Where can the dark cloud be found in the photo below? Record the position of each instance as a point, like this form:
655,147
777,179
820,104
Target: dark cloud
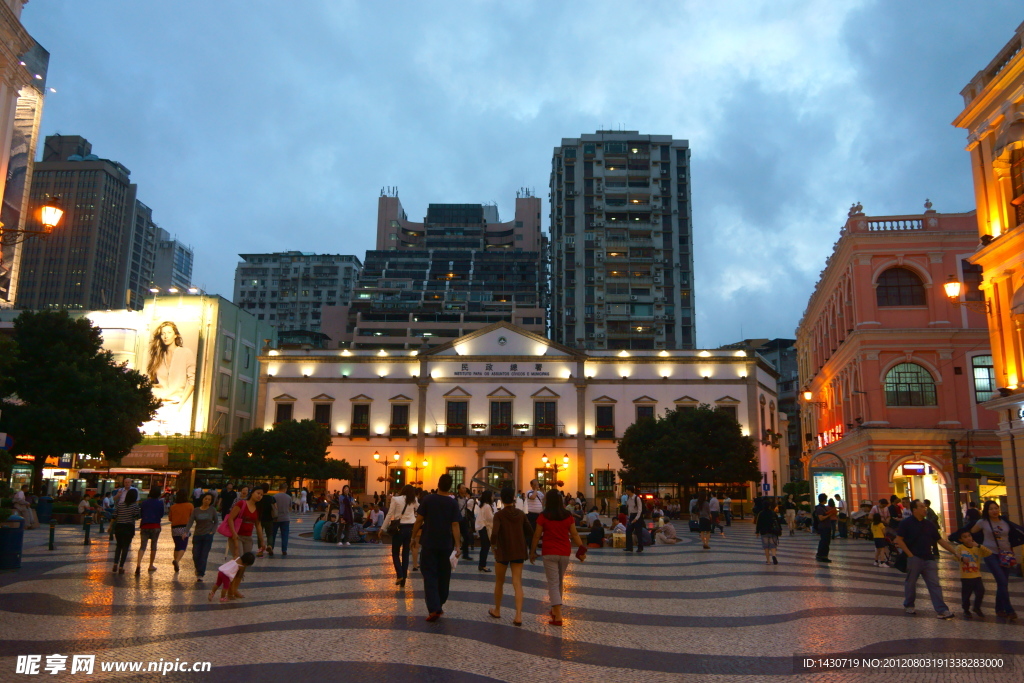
260,126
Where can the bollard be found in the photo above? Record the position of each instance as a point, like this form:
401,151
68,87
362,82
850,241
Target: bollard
53,529
87,527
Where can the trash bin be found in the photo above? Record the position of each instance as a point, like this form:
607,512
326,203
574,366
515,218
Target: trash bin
44,509
12,536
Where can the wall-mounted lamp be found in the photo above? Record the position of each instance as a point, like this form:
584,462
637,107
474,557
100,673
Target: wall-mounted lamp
953,288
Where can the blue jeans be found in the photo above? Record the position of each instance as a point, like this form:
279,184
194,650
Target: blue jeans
400,544
283,526
201,552
1002,577
728,517
929,569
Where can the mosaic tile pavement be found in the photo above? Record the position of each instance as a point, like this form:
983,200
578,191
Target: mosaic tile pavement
673,613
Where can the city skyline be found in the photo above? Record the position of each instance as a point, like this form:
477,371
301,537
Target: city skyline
791,118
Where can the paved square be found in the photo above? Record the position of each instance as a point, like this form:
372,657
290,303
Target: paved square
671,614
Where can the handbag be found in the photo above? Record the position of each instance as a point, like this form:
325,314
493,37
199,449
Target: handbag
1007,560
225,530
395,526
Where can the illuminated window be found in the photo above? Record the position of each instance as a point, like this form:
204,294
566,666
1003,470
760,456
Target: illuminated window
984,378
899,287
283,412
908,384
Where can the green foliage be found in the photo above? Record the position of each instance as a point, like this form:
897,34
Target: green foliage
688,448
292,449
6,463
60,392
798,490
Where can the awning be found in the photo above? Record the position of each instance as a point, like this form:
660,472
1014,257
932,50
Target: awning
992,467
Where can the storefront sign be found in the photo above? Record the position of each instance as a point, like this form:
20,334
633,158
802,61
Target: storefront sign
501,370
914,469
146,456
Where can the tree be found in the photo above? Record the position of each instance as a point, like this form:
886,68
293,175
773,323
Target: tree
688,448
291,449
60,392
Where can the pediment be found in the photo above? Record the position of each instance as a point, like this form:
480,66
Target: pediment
362,398
686,399
544,393
284,398
322,398
400,398
604,399
727,399
501,392
503,339
458,392
645,399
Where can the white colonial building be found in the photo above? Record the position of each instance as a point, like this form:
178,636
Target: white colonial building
505,397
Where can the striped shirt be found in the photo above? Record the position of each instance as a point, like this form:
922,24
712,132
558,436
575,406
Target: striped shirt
127,514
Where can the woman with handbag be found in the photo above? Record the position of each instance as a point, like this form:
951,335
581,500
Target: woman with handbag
398,523
1000,536
556,529
179,516
205,519
484,524
244,518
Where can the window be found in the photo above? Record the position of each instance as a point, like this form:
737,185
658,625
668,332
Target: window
247,352
456,415
604,482
360,419
322,414
730,410
224,386
243,395
283,412
399,419
644,413
458,475
908,384
358,480
605,418
984,378
972,281
501,418
545,418
899,287
229,348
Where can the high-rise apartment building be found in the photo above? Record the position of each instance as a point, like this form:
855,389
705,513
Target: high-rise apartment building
288,289
102,255
459,270
173,264
621,242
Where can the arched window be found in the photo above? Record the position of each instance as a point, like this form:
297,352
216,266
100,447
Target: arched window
899,287
908,384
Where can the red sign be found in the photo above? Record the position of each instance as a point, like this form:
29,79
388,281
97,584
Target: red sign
146,456
913,469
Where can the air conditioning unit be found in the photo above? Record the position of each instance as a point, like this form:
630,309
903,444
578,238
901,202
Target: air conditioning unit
600,224
600,257
633,298
600,278
592,224
659,317
600,335
579,265
590,279
675,210
591,335
657,278
600,297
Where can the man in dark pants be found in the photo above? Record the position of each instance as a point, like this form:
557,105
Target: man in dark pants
635,521
465,504
438,516
823,525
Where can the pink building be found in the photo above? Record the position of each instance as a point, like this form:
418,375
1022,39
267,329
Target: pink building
892,370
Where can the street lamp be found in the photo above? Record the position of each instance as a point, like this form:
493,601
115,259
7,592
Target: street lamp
953,288
417,468
808,395
50,214
554,465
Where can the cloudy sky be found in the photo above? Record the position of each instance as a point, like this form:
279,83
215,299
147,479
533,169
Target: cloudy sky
260,125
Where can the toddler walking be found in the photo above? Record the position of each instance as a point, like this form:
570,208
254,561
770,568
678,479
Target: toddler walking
878,534
226,574
971,556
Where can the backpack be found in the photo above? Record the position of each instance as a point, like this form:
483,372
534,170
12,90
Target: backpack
330,533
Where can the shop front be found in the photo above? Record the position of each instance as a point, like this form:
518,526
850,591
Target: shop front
920,480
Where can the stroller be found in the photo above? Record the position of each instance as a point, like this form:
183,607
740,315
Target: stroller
891,551
860,525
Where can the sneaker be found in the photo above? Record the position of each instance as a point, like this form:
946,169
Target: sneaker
946,615
877,563
909,610
967,614
347,543
341,543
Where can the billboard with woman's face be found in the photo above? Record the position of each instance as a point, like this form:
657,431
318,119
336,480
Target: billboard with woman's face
171,367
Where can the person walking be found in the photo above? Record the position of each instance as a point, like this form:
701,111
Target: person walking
282,523
534,502
833,519
555,530
240,540
125,514
466,522
878,536
346,513
268,513
715,507
152,512
766,525
403,512
789,509
727,510
971,556
180,514
511,532
484,525
228,495
917,537
997,530
438,517
205,520
635,521
822,520
703,509
304,500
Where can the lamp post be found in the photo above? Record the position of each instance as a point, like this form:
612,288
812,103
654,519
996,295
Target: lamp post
956,485
417,468
377,457
50,214
953,288
552,464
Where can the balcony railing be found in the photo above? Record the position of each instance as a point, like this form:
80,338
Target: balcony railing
399,430
604,432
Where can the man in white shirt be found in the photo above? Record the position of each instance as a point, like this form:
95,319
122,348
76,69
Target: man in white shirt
466,521
534,502
715,508
727,510
635,519
692,509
